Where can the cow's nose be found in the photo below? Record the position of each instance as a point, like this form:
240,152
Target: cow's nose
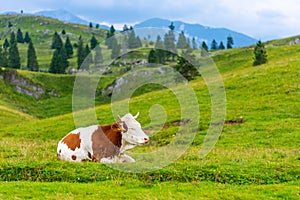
146,140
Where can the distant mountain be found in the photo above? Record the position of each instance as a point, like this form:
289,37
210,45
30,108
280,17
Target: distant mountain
65,16
201,33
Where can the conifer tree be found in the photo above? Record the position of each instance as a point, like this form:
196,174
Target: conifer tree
91,25
109,37
153,56
80,53
32,63
116,49
27,38
3,57
260,54
214,45
98,59
194,43
13,53
229,42
221,46
56,41
20,38
182,42
94,42
69,48
160,50
6,44
204,49
169,41
88,57
185,65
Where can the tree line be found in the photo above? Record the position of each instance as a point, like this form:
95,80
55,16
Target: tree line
165,50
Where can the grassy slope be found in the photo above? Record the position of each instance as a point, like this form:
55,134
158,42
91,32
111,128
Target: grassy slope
262,154
41,30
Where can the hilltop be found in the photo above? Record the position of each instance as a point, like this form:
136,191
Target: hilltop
41,30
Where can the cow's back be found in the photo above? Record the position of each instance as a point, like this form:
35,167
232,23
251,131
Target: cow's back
77,145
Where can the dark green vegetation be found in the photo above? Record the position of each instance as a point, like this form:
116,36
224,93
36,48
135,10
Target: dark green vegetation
41,31
256,159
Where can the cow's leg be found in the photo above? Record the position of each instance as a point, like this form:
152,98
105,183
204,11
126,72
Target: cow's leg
107,160
126,158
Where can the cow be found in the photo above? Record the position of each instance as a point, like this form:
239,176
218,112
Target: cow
104,144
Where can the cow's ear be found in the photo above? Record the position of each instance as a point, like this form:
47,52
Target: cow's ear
116,126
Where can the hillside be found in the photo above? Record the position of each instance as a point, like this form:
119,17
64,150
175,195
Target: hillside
201,33
41,30
256,159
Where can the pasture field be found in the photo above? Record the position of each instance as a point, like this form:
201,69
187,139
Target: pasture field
256,159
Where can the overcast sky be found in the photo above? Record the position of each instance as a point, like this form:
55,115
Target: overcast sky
262,19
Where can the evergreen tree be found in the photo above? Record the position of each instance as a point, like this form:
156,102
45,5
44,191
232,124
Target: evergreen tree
94,42
91,25
184,65
80,53
97,26
221,46
56,65
214,45
63,32
56,41
125,28
88,57
69,48
13,53
27,39
260,54
169,42
109,37
98,59
32,63
204,49
194,44
20,38
229,42
116,49
6,44
3,58
182,42
133,41
160,50
153,56
12,39
9,25
59,62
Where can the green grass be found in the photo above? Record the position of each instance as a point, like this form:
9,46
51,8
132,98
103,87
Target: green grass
258,159
132,189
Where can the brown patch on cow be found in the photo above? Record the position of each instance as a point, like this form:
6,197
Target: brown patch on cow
73,157
106,141
72,141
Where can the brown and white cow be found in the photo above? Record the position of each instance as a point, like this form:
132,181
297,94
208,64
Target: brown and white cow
105,144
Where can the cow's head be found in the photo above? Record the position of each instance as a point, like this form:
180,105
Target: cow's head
132,130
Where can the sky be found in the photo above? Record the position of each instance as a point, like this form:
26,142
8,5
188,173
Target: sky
261,19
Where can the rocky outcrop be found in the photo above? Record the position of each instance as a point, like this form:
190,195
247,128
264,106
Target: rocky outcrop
24,85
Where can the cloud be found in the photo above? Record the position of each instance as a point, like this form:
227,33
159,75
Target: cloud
261,19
